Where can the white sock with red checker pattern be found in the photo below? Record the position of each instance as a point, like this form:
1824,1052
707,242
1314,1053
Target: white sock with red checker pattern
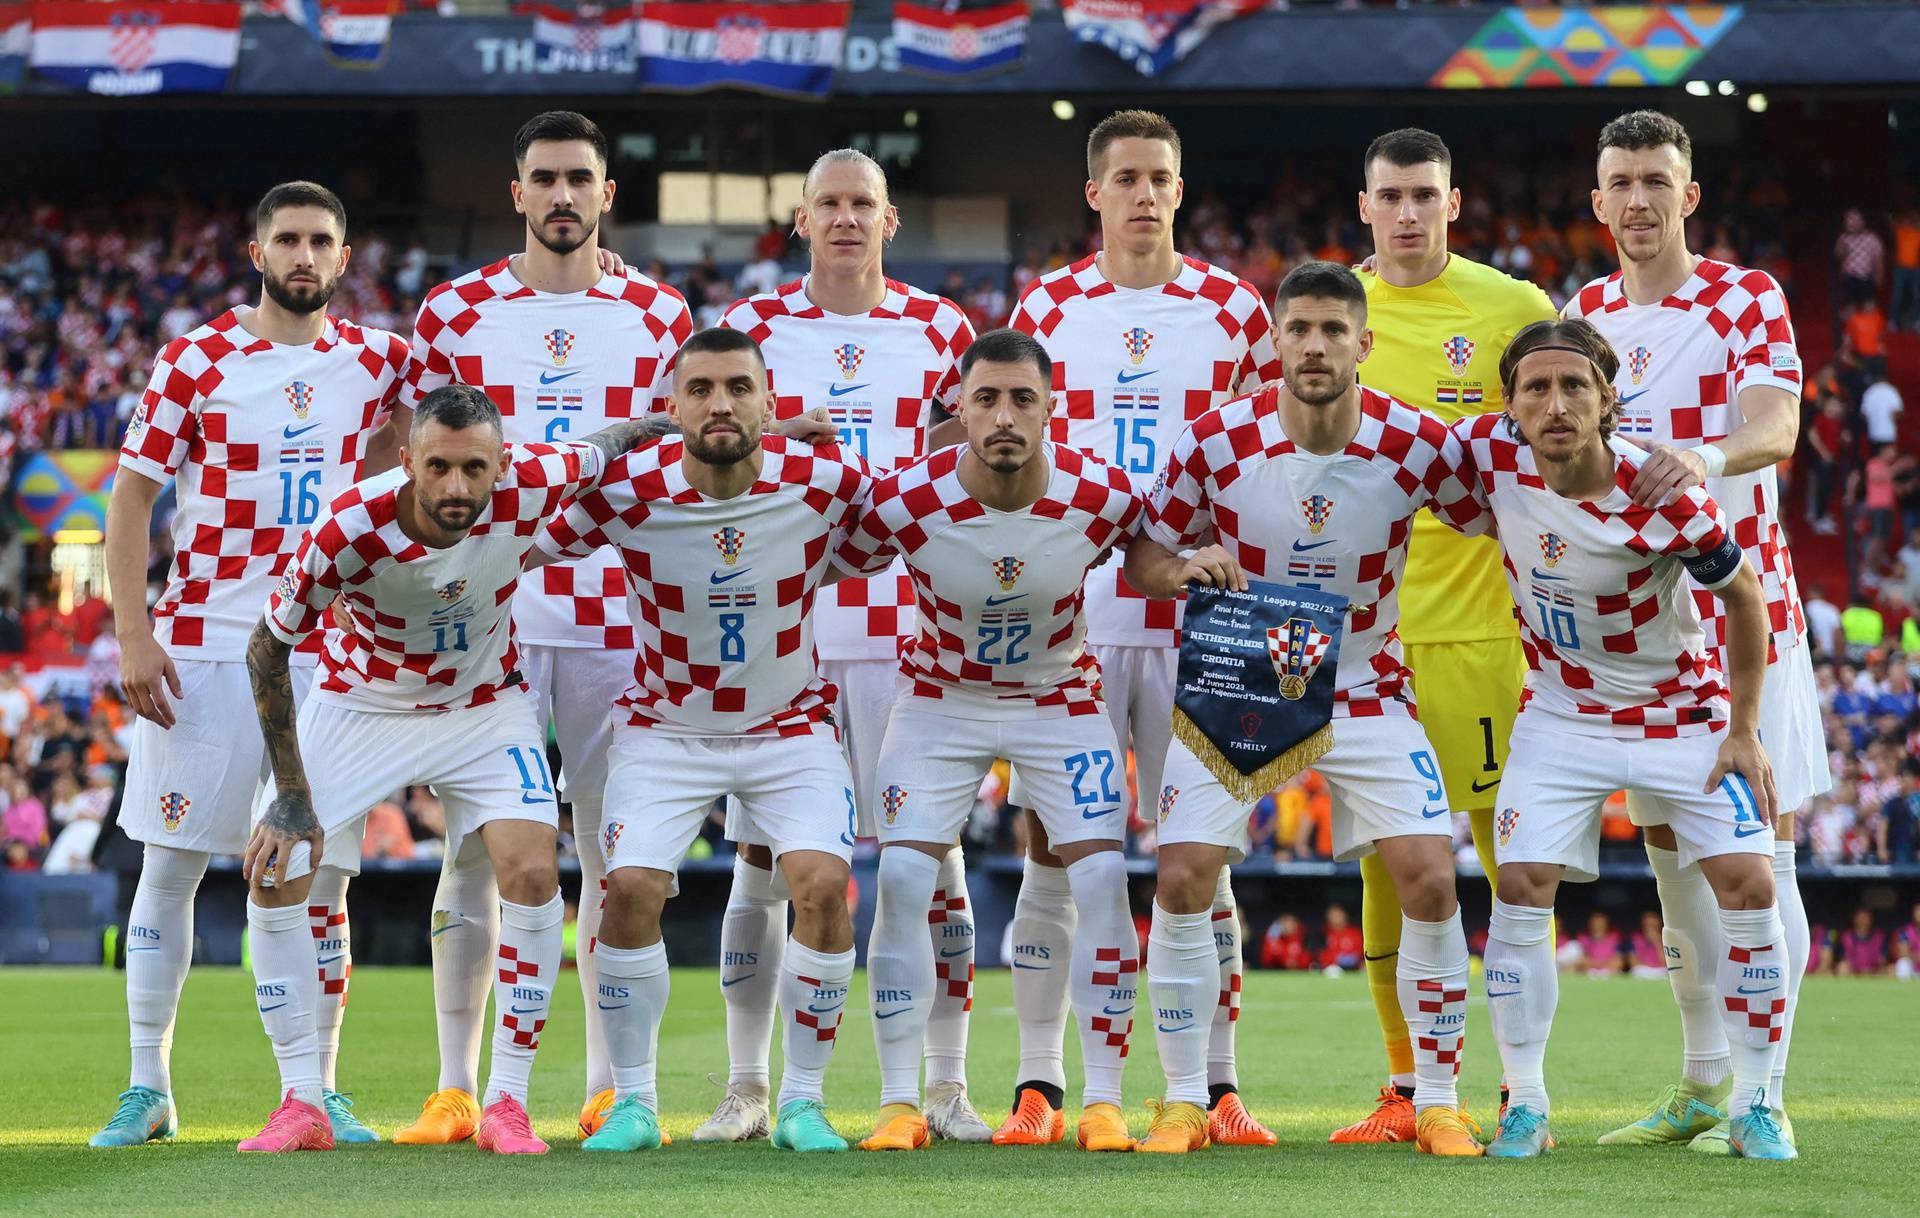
753,932
1755,979
950,924
333,952
1523,990
1105,979
1432,976
813,993
1793,919
529,957
1222,1069
631,996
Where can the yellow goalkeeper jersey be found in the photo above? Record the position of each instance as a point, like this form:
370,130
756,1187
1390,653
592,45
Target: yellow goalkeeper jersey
1438,346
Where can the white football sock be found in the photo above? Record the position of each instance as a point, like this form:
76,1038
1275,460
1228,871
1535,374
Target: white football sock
522,992
752,935
333,961
1793,921
1222,1069
1183,975
465,927
286,988
586,934
1523,989
950,923
1106,971
813,992
1432,977
901,971
1754,981
1044,920
159,953
631,996
1691,936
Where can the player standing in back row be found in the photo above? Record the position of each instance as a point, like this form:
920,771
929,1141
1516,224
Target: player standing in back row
1439,322
563,349
1143,341
877,357
261,415
1709,380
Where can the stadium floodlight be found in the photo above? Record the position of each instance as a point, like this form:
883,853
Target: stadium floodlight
910,119
1063,110
1726,88
1699,88
1757,102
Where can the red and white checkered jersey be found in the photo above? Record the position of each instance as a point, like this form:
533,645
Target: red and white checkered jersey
725,588
1002,624
559,366
1338,523
1613,646
877,374
260,436
427,629
1131,366
1683,363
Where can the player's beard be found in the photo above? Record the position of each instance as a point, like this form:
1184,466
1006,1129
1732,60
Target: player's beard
725,450
563,248
454,515
1313,395
302,299
1004,463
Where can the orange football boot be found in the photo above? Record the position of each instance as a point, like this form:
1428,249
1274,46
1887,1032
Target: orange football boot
1392,1121
1033,1122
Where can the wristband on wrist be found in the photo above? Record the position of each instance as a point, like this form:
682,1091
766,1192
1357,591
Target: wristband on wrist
1715,458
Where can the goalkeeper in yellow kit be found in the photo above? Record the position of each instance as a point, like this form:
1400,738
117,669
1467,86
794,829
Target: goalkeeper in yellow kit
1439,325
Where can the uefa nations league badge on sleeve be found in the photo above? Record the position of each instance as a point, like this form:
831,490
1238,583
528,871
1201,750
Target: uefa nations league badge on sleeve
1256,682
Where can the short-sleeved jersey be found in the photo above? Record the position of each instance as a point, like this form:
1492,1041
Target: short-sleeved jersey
724,588
559,366
1613,645
1002,627
1683,362
260,436
427,629
1131,366
878,375
1437,346
1338,523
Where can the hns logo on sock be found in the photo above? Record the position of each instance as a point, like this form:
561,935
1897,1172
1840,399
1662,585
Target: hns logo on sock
1552,548
1007,570
730,541
173,810
610,837
1137,341
1507,820
1638,361
847,358
892,800
1168,794
300,397
1318,509
559,344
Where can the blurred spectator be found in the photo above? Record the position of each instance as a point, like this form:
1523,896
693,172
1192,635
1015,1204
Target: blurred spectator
388,835
1829,441
1874,492
1866,340
13,640
1880,405
1863,947
1284,945
1862,258
1823,623
1900,816
1597,951
25,819
1904,312
1832,817
1863,628
1344,949
1649,952
1906,947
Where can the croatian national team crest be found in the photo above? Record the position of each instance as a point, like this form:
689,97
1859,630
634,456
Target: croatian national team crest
300,396
1552,548
1509,817
1168,795
1459,353
451,591
559,346
1637,361
1137,340
1007,570
848,357
610,837
736,40
891,801
730,541
1317,509
173,810
131,38
1296,649
289,584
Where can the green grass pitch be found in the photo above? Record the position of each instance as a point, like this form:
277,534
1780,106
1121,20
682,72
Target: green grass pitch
1309,1060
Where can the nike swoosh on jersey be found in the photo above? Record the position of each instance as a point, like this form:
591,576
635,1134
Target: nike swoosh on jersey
548,378
1747,830
1426,814
717,578
1128,378
1538,574
840,391
536,799
1098,813
1480,787
1300,549
1004,600
290,431
1628,397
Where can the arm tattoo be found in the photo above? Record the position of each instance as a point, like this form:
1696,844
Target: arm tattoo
292,809
629,434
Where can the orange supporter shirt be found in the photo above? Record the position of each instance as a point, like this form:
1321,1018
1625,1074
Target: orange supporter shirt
1906,246
1868,330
